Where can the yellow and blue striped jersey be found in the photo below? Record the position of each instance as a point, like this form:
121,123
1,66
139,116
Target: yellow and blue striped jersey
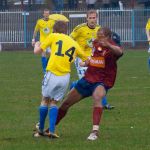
44,27
63,52
85,36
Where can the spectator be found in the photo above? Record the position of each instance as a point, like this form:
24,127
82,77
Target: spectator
72,3
91,4
106,4
114,4
3,4
58,5
120,5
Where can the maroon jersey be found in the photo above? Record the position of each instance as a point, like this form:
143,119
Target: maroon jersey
102,66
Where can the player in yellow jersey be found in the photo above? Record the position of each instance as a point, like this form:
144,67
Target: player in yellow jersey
64,50
44,26
85,34
148,33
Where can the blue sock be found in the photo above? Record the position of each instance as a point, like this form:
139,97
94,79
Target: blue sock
73,84
53,112
43,110
104,101
149,63
44,63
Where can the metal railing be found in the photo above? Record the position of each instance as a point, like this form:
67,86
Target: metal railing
17,27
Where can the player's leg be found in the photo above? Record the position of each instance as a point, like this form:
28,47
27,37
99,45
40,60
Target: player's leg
57,89
43,111
53,112
98,94
149,48
44,61
80,72
73,97
106,105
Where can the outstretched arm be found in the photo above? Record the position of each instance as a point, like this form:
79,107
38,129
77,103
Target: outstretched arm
118,51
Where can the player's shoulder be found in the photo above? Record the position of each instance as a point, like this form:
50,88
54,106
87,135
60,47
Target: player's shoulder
40,20
80,26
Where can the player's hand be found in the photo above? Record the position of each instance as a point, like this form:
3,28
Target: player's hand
37,44
104,43
33,42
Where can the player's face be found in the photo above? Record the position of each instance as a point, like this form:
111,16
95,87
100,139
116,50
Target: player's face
46,15
92,20
101,35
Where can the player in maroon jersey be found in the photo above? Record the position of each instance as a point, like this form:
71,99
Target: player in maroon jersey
99,77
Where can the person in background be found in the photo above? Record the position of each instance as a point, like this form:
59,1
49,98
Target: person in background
148,33
85,34
44,26
91,4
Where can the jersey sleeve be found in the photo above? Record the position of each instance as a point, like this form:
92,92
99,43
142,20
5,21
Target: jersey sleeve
74,33
81,53
47,42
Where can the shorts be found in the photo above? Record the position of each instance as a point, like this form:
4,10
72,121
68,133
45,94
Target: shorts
80,70
86,88
48,50
55,87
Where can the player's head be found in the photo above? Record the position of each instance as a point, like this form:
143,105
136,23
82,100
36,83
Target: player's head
60,27
104,33
46,13
92,18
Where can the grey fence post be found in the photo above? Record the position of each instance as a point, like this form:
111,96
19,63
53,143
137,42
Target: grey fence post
133,27
25,29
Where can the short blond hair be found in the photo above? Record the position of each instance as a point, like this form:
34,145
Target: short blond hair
92,11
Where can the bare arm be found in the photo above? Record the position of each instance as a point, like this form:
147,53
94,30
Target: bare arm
37,48
34,36
118,51
85,63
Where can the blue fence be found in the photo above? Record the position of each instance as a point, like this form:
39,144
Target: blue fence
17,27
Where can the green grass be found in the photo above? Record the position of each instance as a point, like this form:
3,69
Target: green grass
20,94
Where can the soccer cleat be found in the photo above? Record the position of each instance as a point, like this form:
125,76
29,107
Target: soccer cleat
37,126
51,135
93,136
38,134
46,130
108,107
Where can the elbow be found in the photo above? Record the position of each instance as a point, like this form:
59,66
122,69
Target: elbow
120,52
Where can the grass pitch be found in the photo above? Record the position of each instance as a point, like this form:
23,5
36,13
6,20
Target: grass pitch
124,128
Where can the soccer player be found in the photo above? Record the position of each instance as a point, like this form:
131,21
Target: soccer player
148,33
45,27
99,77
63,52
85,34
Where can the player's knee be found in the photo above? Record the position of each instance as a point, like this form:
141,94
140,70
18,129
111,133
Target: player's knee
97,99
45,102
